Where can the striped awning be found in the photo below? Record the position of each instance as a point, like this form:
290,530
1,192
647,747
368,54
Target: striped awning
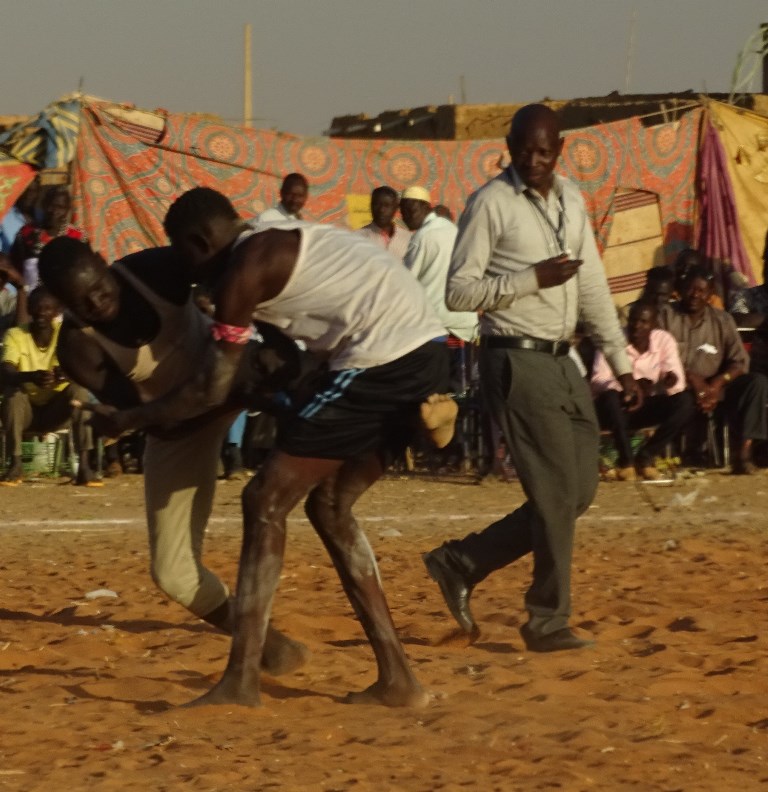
47,141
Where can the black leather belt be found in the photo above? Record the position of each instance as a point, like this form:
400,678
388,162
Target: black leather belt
557,348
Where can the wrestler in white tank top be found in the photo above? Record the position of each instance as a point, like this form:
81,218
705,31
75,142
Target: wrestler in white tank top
169,359
348,298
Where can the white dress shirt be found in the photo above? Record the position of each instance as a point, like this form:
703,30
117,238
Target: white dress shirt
276,214
505,230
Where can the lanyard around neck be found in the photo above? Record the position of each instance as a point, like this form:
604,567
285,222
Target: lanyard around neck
559,229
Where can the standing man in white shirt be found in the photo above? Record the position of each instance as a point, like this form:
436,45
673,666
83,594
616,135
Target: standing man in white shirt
526,257
294,192
383,230
429,256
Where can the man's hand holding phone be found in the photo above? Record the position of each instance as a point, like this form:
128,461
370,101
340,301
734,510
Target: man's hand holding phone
556,271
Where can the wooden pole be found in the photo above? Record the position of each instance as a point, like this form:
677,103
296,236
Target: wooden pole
247,88
630,51
764,51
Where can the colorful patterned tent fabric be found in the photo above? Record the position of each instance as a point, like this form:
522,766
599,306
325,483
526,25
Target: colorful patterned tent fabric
124,184
14,178
659,159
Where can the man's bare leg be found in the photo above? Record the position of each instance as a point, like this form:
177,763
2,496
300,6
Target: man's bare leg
267,501
329,508
281,655
438,416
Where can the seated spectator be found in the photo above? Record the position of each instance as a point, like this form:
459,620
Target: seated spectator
666,403
294,192
21,213
686,260
10,282
658,289
383,230
33,237
750,305
716,365
37,396
659,286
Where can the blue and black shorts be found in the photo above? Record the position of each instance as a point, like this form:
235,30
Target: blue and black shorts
356,411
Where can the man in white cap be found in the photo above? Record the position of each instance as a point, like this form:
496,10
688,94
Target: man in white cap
429,256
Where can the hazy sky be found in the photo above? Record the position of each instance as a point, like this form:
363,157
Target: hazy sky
314,59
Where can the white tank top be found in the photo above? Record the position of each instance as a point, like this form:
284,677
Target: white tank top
173,356
348,298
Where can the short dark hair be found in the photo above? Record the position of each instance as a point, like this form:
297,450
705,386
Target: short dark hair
38,294
698,272
532,113
58,258
659,274
195,208
384,189
643,304
294,178
689,252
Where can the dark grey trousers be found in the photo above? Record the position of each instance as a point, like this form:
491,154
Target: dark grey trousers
745,399
19,416
545,410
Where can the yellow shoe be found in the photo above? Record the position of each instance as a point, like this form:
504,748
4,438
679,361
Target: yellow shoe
626,474
87,480
650,473
12,476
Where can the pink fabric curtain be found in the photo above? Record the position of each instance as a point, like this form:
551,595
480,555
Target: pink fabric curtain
719,237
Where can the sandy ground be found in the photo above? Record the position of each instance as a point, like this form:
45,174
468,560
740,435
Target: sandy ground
673,697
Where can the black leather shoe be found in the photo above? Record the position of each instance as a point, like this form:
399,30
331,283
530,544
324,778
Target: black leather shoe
558,641
455,589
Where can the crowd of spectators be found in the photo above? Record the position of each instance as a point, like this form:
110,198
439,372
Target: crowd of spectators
687,351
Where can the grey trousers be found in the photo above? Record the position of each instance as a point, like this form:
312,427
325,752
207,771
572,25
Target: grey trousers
20,415
545,411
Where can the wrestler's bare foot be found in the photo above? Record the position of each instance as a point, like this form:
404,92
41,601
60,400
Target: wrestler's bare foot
230,689
409,694
282,654
438,415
